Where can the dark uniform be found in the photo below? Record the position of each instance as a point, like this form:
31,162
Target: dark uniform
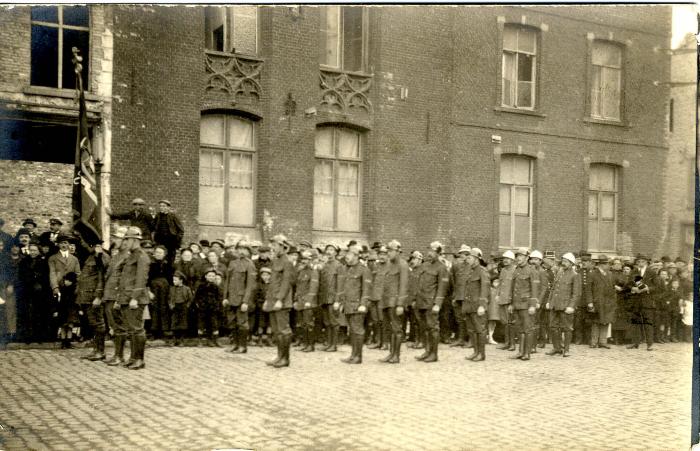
375,312
394,294
330,280
583,318
476,285
357,283
566,293
305,303
239,289
280,290
433,282
458,274
90,287
526,287
546,280
505,293
109,298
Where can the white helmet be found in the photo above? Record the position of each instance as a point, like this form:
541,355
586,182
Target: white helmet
509,254
536,254
569,256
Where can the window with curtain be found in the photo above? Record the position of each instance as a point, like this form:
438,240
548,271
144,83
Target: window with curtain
226,170
606,83
602,207
232,29
342,43
55,31
518,87
337,179
515,201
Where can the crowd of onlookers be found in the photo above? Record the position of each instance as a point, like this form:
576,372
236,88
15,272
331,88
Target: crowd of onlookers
186,286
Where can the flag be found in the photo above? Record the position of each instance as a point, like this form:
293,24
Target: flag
86,205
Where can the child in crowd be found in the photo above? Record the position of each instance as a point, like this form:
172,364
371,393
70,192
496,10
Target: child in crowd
179,300
208,300
687,319
263,322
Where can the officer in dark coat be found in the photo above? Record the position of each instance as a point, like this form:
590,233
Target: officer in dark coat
328,296
394,295
354,296
64,269
583,318
279,299
239,289
433,282
137,217
476,285
90,293
603,301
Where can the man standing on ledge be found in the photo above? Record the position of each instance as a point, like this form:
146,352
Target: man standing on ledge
279,299
394,295
168,230
137,217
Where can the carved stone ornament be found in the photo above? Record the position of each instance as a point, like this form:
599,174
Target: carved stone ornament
342,92
235,75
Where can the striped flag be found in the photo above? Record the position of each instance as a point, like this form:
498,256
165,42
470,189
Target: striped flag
86,205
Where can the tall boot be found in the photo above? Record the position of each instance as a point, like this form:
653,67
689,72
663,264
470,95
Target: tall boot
527,345
481,340
461,342
391,351
386,338
132,352
359,342
329,338
521,349
434,340
377,336
474,339
99,351
567,342
309,340
426,353
139,348
532,341
511,337
234,341
242,341
286,344
278,343
396,340
354,350
556,342
507,338
118,357
333,345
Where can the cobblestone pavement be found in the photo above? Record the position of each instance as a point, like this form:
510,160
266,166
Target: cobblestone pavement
204,398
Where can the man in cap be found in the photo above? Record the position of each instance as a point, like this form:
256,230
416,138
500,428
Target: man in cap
133,297
354,297
566,294
90,294
168,229
329,290
110,293
603,301
458,274
583,318
504,297
378,270
433,282
239,288
137,217
394,294
49,237
279,299
305,299
473,286
417,334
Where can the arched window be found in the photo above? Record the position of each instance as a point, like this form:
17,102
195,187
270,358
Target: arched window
602,207
227,170
515,201
337,179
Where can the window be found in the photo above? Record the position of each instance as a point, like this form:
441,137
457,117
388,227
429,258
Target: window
602,207
519,67
606,82
515,202
55,31
232,29
342,35
226,170
337,179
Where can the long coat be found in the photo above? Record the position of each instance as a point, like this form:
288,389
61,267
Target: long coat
603,295
433,282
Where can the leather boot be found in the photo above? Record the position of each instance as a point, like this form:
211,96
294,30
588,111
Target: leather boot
329,339
234,340
428,344
132,353
567,341
395,357
310,347
481,343
506,338
118,357
333,346
475,353
242,341
520,348
99,352
386,339
460,343
276,339
354,350
527,345
391,351
377,336
555,335
360,341
434,339
511,338
139,348
285,345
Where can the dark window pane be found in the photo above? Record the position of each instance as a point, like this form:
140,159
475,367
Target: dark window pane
44,56
34,141
352,38
76,15
45,13
81,40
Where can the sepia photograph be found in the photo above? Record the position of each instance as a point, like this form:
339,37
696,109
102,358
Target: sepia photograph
353,226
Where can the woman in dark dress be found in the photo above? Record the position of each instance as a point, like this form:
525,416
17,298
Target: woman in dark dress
159,277
34,305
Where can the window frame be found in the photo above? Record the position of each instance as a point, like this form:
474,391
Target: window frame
336,161
227,151
60,26
535,68
621,87
341,39
512,188
599,219
228,30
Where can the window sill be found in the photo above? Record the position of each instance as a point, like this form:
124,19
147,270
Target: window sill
246,56
57,92
358,73
505,109
218,224
613,122
337,231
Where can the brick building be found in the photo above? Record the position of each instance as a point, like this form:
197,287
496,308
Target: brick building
496,126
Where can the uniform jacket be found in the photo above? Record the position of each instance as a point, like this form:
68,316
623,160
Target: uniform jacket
505,286
240,282
585,275
477,287
59,267
378,277
281,282
458,274
546,280
395,290
306,288
566,290
134,278
356,288
112,275
413,276
92,278
330,280
143,220
603,295
433,282
526,287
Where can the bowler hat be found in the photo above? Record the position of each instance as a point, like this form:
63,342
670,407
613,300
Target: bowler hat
602,258
29,221
63,237
23,231
204,243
